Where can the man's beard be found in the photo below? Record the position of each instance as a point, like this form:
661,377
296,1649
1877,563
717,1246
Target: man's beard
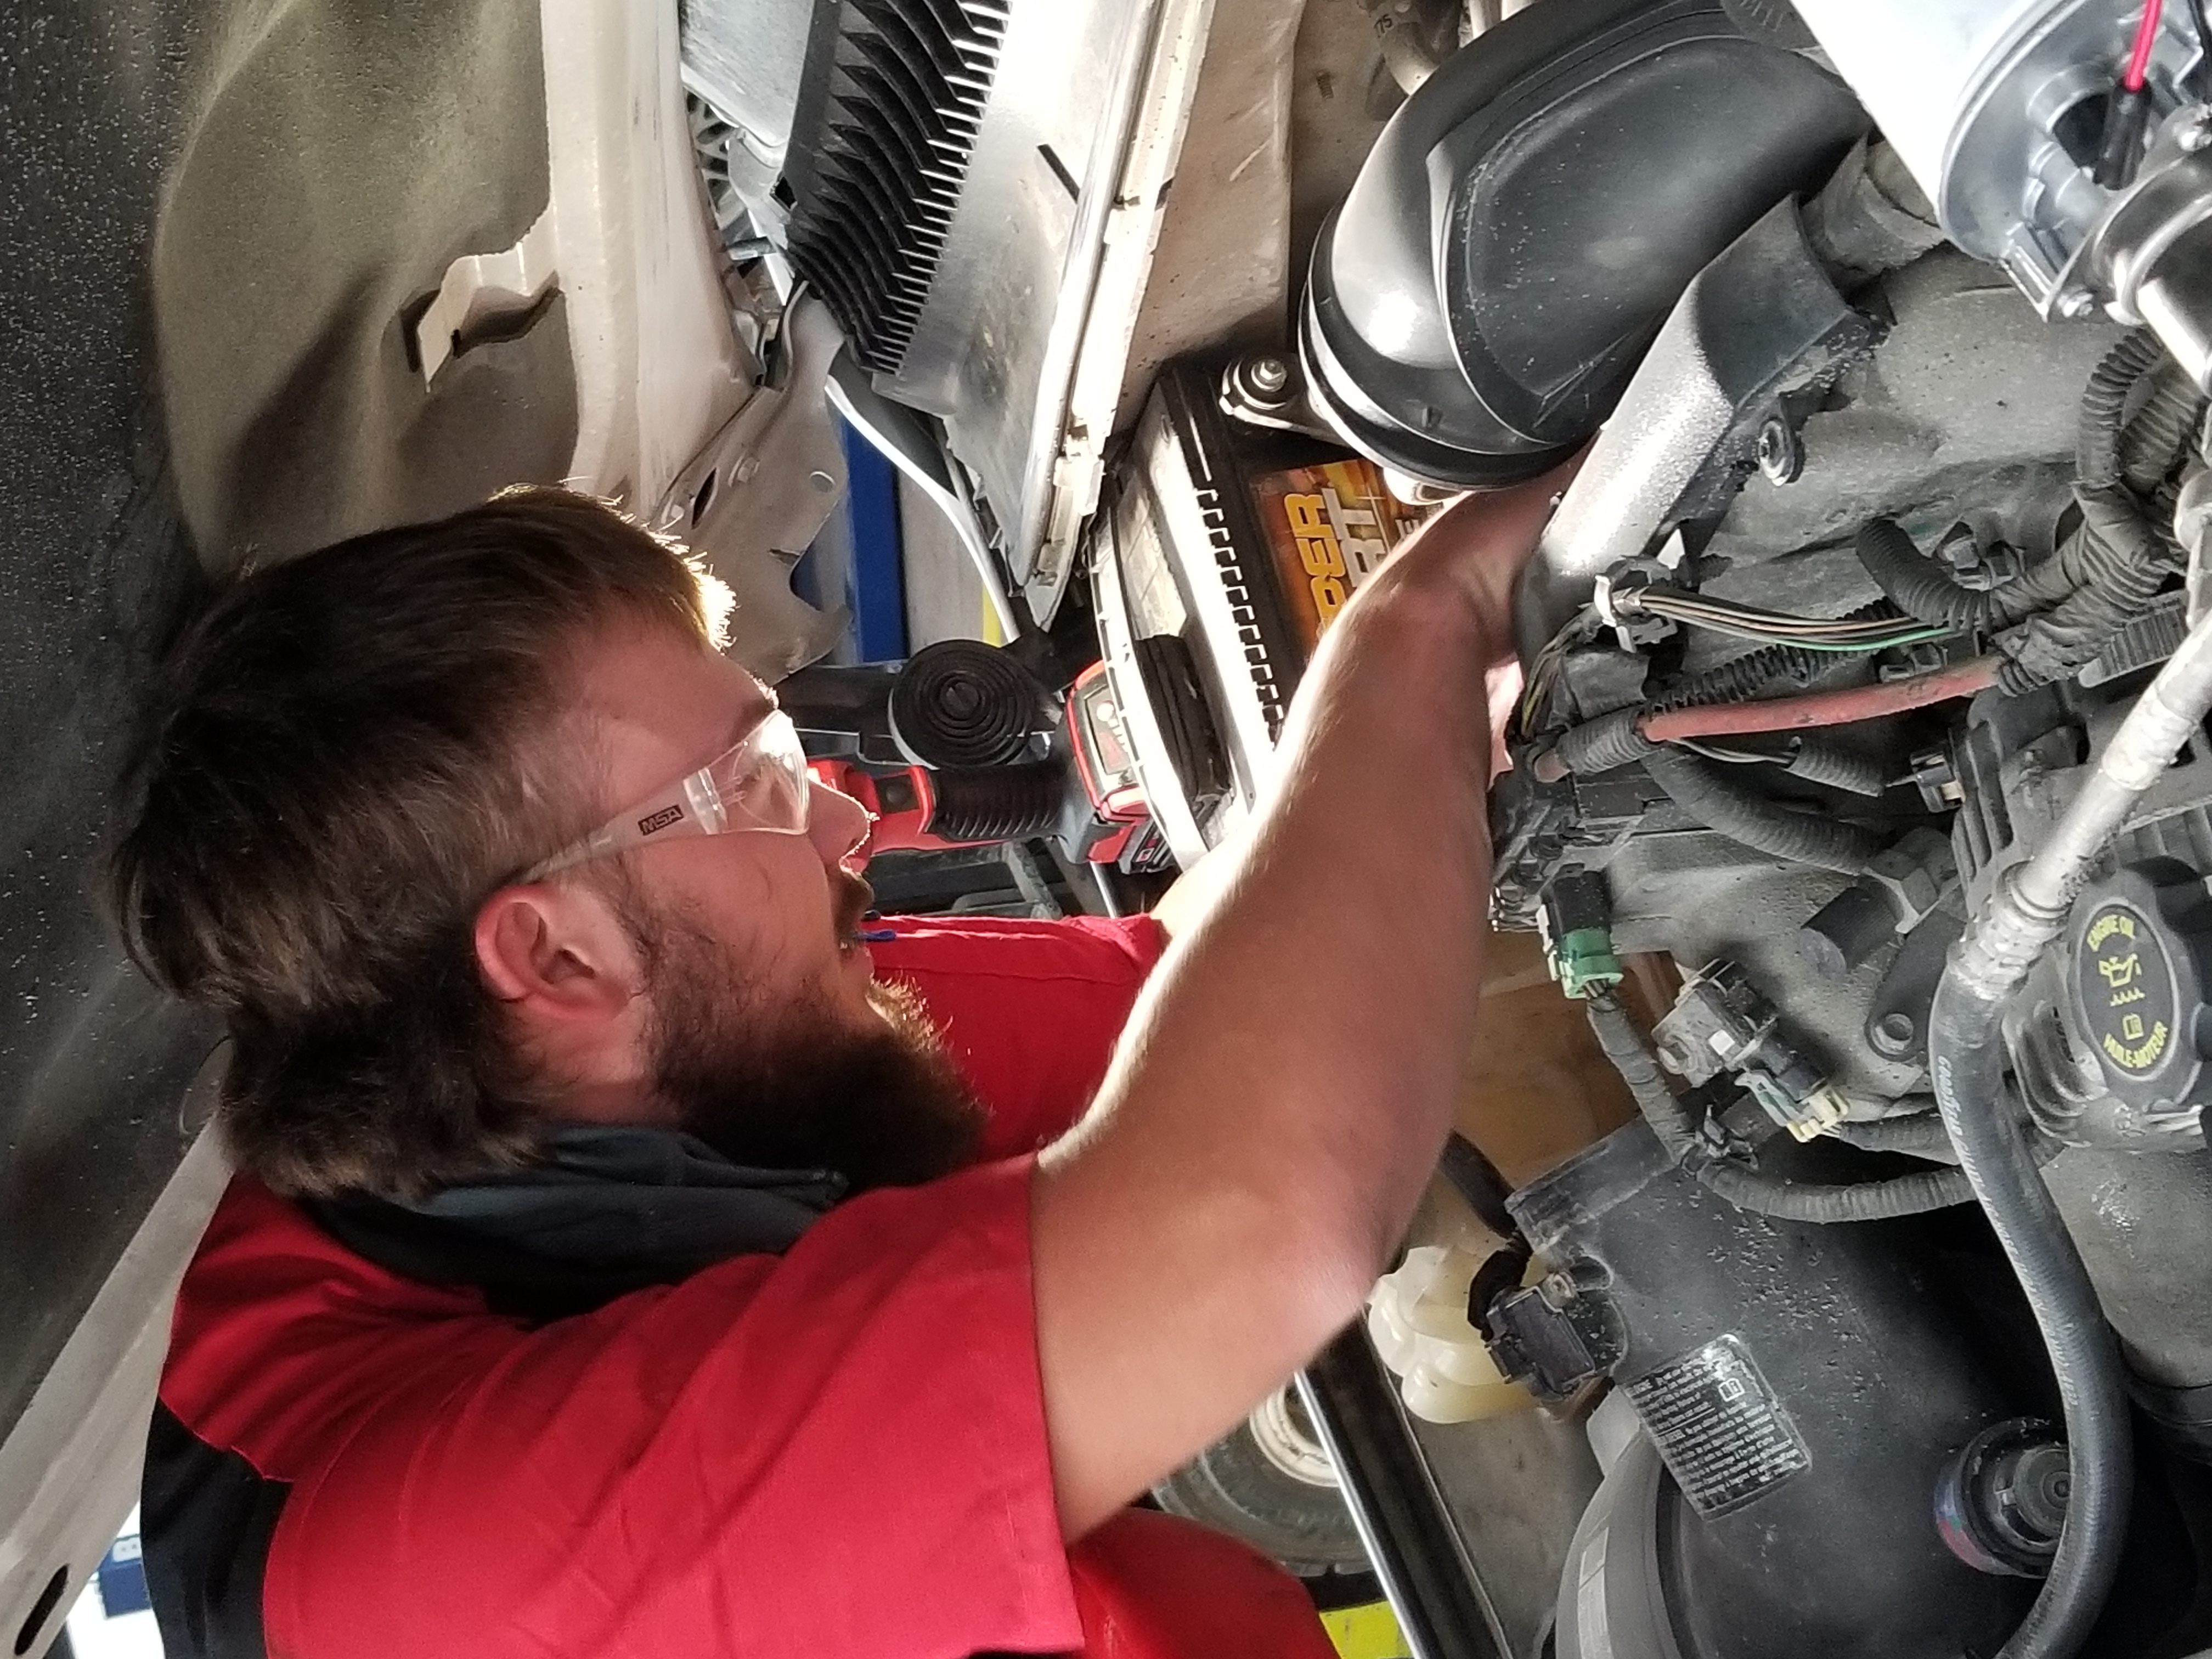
783,1083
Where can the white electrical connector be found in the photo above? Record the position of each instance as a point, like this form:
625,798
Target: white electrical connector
1417,1319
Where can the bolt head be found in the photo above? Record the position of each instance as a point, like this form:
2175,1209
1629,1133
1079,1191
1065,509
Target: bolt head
1781,456
1267,375
2077,305
1892,1034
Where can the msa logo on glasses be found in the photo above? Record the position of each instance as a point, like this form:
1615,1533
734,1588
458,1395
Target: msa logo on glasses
659,820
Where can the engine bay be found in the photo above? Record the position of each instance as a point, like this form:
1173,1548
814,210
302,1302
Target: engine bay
1887,1313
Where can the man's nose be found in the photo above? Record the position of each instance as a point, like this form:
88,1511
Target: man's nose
835,823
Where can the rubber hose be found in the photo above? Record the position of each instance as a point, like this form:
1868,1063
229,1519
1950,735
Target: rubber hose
1471,1174
1819,761
1764,825
1968,1060
1747,1190
1812,711
1770,23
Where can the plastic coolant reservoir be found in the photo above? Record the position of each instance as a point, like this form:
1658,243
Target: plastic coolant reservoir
1417,1319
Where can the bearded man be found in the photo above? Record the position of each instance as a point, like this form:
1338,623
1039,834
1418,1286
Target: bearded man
628,1256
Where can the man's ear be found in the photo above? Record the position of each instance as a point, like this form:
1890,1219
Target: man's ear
559,953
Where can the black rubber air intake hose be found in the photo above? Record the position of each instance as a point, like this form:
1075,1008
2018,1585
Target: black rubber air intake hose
1765,826
1968,1057
1747,1190
996,803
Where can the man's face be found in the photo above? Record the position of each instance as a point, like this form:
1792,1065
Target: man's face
768,1037
783,907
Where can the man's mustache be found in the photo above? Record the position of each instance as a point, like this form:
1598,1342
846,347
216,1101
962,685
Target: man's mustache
854,899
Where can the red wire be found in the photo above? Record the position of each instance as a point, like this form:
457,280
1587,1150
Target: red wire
1862,702
2138,69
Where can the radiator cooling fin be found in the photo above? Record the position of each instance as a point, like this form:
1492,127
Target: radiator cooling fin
886,124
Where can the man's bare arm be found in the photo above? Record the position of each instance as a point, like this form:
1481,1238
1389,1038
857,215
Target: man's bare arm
1282,1092
1193,893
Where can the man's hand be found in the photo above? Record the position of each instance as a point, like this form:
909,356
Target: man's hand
1279,1099
1470,553
1477,545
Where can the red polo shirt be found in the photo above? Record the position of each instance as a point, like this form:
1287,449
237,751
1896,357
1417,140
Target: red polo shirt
837,1451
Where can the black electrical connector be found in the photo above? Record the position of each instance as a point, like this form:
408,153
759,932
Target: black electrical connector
2126,114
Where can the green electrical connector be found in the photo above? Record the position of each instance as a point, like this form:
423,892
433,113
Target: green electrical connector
1583,963
1576,921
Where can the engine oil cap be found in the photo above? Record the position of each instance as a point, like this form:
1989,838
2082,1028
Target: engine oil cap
2141,943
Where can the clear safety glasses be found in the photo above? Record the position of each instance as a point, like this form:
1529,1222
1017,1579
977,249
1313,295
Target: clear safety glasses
760,783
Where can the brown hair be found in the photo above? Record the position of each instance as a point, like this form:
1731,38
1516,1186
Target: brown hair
339,765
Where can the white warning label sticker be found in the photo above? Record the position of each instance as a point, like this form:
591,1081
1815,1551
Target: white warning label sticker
1725,1437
